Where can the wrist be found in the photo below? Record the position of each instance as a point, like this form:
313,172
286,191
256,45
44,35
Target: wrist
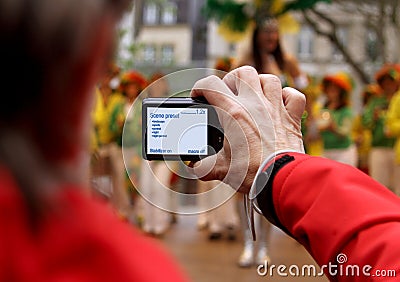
257,184
293,142
262,186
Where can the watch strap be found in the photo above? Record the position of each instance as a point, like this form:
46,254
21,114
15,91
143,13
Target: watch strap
264,199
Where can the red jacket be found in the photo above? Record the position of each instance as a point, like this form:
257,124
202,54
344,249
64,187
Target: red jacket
79,240
339,213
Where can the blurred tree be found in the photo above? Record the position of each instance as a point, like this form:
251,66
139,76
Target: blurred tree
238,15
381,19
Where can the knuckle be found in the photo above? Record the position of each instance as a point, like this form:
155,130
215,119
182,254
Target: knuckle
260,107
248,69
206,82
242,72
236,112
270,78
296,95
245,68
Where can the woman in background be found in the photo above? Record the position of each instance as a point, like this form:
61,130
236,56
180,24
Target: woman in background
124,118
382,156
267,56
336,119
393,129
362,135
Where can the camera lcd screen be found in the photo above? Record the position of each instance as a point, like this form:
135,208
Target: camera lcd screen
177,131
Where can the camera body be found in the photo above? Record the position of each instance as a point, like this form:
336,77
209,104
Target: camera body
179,129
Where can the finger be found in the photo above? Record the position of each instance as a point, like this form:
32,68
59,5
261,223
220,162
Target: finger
215,91
244,81
206,168
294,102
272,88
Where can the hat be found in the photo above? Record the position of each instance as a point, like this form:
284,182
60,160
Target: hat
270,23
372,89
391,70
133,77
341,79
224,64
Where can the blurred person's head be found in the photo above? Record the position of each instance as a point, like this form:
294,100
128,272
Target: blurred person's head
267,35
109,81
132,83
265,40
337,88
53,53
388,78
370,91
223,65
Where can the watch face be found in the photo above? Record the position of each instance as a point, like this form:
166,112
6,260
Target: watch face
260,182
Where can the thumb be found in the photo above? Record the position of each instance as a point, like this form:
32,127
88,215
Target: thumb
206,169
294,102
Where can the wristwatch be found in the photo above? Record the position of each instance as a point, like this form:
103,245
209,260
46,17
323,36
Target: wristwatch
261,189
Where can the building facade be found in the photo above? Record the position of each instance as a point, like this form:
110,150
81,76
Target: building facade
173,34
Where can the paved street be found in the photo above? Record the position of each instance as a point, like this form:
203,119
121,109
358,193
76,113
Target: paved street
215,261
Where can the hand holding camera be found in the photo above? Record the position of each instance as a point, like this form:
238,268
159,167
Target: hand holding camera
246,114
258,118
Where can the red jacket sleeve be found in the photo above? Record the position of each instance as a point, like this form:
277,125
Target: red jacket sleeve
336,210
77,239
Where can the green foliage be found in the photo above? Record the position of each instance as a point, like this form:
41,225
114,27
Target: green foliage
237,16
229,12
